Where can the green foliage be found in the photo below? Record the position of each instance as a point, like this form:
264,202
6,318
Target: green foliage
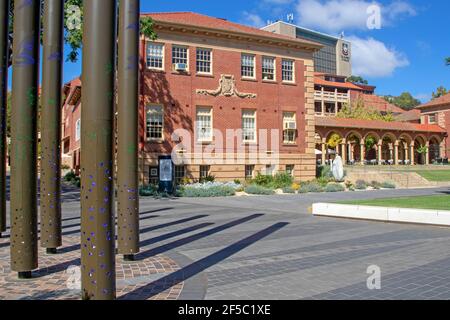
358,110
289,190
388,185
311,187
405,101
214,191
334,187
73,179
258,190
422,150
357,79
375,184
73,37
282,180
148,191
334,140
370,142
441,91
262,180
208,178
447,61
360,185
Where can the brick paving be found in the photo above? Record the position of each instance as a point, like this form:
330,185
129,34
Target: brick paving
54,279
259,248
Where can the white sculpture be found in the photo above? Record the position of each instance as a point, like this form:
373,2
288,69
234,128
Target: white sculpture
337,168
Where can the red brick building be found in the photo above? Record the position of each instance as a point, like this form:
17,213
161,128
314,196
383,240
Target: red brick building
437,111
205,76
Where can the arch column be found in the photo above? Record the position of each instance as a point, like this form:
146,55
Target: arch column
323,102
396,145
363,152
427,154
380,151
412,153
350,153
324,150
344,151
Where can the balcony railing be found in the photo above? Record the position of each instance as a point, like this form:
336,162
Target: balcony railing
331,96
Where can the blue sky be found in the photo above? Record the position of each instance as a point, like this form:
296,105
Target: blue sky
406,54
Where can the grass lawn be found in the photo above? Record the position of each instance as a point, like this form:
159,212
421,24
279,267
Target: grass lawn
438,202
435,175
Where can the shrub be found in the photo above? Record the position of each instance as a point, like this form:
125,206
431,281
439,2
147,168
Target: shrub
334,187
388,185
311,187
361,185
237,181
209,189
259,190
262,180
349,185
208,178
70,176
282,180
148,191
214,191
289,190
375,185
295,186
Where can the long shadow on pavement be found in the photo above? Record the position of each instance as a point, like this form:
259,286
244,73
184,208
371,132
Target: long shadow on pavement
191,270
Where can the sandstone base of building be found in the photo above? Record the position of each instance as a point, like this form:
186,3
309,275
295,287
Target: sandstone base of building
304,168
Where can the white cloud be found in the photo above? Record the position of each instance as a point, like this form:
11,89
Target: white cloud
253,20
372,58
424,97
339,15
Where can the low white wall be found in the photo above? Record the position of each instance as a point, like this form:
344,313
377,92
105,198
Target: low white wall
417,216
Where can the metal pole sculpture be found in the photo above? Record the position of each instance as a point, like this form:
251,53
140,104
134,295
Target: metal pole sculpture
50,126
127,173
25,83
97,218
4,59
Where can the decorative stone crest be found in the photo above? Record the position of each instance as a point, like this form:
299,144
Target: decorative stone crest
227,88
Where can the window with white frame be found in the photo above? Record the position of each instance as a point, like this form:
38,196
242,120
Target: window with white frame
432,119
249,126
180,174
204,59
268,68
78,130
248,66
155,122
155,56
204,124
287,70
179,55
289,127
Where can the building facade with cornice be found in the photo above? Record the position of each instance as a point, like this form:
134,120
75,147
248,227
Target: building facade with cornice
208,76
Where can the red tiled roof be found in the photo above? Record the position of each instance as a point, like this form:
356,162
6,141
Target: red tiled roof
374,101
377,125
444,100
345,85
202,21
410,115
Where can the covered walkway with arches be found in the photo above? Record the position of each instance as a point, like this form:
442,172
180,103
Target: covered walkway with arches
373,142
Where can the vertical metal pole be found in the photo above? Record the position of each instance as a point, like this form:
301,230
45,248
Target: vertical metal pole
97,218
24,257
127,173
4,59
50,125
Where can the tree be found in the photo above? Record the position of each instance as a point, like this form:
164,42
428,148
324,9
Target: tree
73,27
441,91
357,79
405,101
334,140
447,61
358,110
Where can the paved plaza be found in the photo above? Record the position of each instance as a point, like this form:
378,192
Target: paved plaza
269,248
